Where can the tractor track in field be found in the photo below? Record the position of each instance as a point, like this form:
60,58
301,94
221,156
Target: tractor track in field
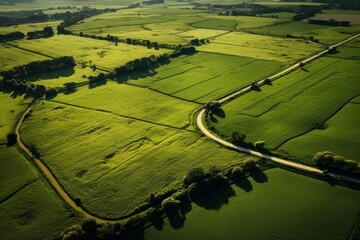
50,177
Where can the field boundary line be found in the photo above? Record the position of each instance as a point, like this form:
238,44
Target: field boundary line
27,50
18,190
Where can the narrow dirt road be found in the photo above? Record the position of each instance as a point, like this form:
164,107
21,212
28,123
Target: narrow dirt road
200,117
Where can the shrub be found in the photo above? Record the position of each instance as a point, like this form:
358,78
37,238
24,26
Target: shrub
237,173
194,175
259,144
11,139
170,204
89,226
74,232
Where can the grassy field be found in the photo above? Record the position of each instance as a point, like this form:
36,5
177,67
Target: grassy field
103,54
29,208
294,104
218,24
347,52
24,28
113,163
283,205
325,34
12,57
204,76
135,102
339,136
261,47
11,106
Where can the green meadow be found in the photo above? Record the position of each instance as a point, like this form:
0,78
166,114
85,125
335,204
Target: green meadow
340,136
260,47
219,24
97,155
275,205
103,54
294,104
30,27
204,76
29,208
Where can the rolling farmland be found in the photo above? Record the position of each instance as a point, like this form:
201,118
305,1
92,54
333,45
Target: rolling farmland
261,114
278,204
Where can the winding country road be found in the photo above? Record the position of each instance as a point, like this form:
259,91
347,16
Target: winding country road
200,123
66,197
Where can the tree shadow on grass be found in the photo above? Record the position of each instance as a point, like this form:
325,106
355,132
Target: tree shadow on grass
244,184
215,200
48,75
219,112
259,177
176,220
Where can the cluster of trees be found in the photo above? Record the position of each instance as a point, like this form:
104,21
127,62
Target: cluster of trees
330,22
149,2
342,4
198,42
327,160
45,33
21,87
304,12
269,16
21,17
212,106
11,36
38,66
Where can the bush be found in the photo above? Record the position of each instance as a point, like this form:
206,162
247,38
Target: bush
170,204
250,165
74,232
194,175
237,173
198,190
89,226
11,139
259,144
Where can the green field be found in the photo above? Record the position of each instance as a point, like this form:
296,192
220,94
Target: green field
11,107
140,103
103,54
13,57
204,76
218,24
261,47
294,104
279,205
339,136
325,34
24,28
29,208
113,163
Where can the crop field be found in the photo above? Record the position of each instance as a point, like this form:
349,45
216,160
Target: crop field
261,47
103,54
11,106
136,102
281,205
24,28
325,34
204,76
347,52
12,57
218,24
29,209
294,104
97,155
339,136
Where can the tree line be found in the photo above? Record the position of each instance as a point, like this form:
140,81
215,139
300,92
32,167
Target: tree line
328,160
45,33
38,66
330,22
11,36
30,89
197,183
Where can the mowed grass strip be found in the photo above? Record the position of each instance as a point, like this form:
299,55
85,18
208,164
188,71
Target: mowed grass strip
204,76
340,136
112,163
12,57
260,47
134,102
102,53
281,205
294,104
29,209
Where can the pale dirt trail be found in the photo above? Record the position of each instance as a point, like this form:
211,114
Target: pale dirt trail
200,124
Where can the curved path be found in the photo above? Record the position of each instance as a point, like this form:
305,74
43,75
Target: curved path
200,123
48,174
